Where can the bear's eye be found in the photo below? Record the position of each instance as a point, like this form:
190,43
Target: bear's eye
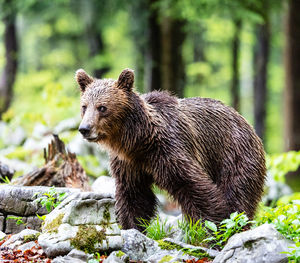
101,108
83,109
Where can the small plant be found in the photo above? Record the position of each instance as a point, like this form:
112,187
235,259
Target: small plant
228,227
97,258
5,180
208,232
18,219
156,229
280,164
285,218
51,199
41,217
194,233
294,255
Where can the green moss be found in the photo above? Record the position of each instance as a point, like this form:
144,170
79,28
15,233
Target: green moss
31,237
106,213
106,216
168,245
167,258
56,222
192,252
120,254
195,252
87,237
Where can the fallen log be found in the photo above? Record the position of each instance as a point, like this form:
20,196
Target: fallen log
61,169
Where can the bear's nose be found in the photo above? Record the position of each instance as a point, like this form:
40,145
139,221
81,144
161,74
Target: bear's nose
84,129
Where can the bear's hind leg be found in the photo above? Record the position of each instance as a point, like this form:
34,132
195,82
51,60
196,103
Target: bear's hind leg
194,190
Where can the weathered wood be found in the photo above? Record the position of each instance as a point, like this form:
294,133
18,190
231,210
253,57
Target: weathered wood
61,169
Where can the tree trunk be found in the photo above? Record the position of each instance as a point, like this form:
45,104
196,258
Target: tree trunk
235,86
199,45
10,69
261,58
91,10
153,52
96,45
173,73
292,85
139,12
164,68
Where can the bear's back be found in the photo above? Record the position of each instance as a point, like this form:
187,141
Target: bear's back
213,134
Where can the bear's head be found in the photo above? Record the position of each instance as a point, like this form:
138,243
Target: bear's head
104,104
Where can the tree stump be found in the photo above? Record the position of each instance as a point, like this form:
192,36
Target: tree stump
61,169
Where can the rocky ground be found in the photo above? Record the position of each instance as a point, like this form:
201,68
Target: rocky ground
85,223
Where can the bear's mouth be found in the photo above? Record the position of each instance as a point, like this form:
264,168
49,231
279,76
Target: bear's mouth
92,139
97,138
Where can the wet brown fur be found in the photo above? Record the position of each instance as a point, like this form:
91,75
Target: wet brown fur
202,152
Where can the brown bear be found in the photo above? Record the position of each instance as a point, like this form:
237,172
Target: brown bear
203,153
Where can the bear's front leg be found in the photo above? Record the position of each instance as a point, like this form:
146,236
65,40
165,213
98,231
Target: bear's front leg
134,197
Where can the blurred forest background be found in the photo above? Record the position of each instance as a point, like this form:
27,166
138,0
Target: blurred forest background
244,53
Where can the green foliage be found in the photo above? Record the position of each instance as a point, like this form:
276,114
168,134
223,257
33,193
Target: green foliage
280,164
51,199
54,40
289,199
120,253
18,153
31,157
155,229
294,255
11,7
40,97
41,217
90,164
285,218
97,258
228,227
18,219
198,233
195,10
194,233
5,180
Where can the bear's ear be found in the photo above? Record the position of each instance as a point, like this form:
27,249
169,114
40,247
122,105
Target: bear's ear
126,79
83,79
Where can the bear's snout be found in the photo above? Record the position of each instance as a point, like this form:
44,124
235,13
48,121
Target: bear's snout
84,130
